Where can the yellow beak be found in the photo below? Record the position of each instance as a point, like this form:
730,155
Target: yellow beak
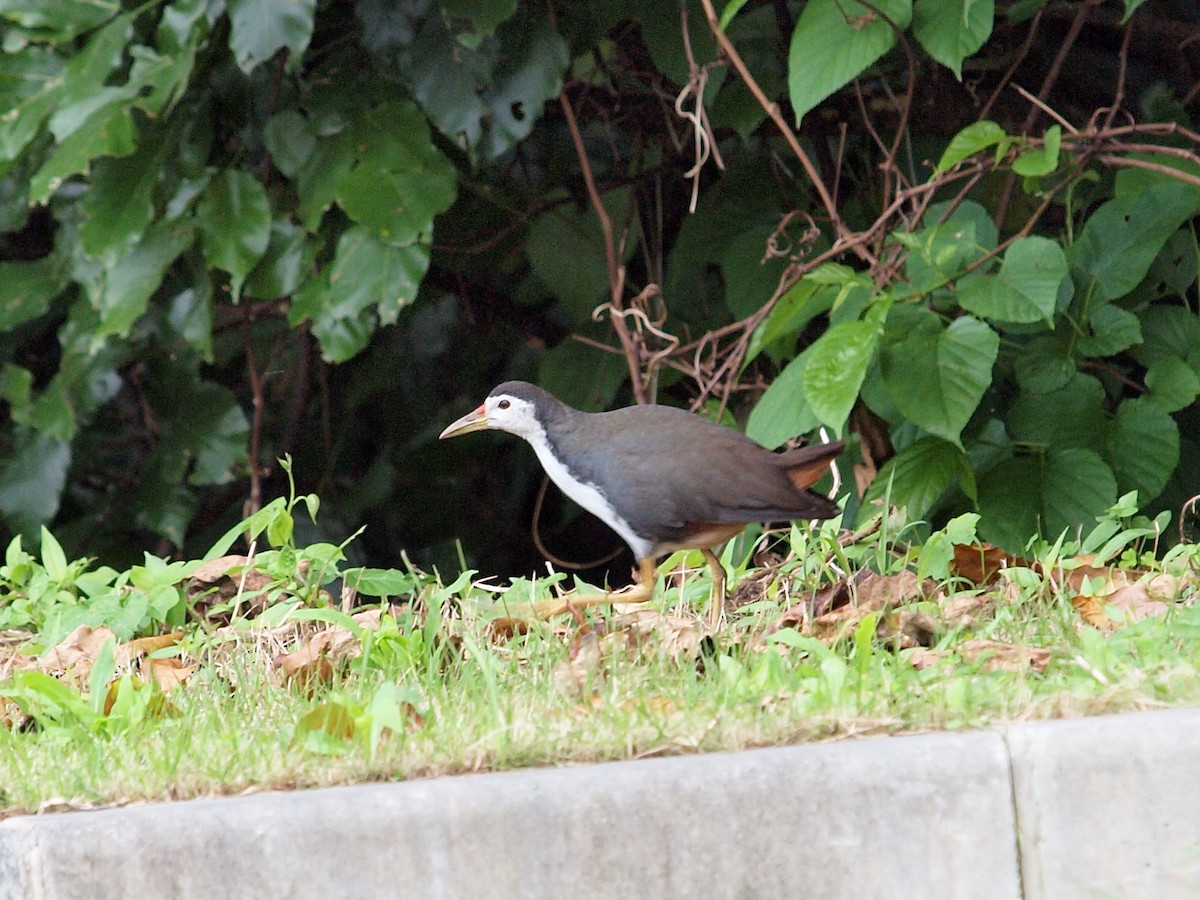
476,420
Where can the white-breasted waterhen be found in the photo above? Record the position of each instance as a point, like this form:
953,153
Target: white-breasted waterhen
662,478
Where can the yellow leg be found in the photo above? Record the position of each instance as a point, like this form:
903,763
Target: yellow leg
718,589
638,594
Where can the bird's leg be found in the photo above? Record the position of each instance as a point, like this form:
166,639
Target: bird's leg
718,589
638,594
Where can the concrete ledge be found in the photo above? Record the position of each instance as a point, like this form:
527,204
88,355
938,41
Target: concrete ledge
1110,806
1103,807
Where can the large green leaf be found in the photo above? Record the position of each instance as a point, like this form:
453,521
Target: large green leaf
1173,384
32,480
566,250
916,476
936,376
235,224
1111,330
1044,364
1168,330
285,263
1026,287
26,289
1027,495
1142,448
400,181
59,20
834,42
1122,238
1071,416
835,368
131,278
782,412
119,203
951,30
258,29
366,275
938,253
493,93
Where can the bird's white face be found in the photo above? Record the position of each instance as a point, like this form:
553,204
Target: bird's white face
503,412
512,414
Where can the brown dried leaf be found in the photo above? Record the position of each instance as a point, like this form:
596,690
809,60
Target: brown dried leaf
74,655
981,563
1002,657
1092,611
168,673
676,636
924,658
219,580
999,656
144,646
877,591
505,628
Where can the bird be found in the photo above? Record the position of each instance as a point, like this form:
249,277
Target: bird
663,478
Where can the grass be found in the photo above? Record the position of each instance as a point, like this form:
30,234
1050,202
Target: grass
265,683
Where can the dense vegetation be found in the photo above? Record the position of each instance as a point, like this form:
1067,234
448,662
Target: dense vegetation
962,233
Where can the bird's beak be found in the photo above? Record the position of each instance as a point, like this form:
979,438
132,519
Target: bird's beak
476,420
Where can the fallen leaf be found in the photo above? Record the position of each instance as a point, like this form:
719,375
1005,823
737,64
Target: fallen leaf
219,581
1001,657
981,563
73,656
997,656
505,628
143,646
1091,609
167,673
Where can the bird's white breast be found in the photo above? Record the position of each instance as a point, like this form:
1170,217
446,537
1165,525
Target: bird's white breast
586,495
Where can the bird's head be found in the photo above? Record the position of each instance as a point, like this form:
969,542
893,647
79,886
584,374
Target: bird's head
511,407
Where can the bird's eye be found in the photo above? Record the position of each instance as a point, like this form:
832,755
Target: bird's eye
503,404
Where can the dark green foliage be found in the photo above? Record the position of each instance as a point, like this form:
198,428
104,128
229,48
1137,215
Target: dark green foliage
233,231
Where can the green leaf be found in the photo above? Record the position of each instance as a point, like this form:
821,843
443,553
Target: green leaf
732,8
1173,384
284,265
53,557
58,20
400,182
799,305
939,253
109,131
260,28
1044,365
366,273
1112,328
1122,238
975,137
1042,160
32,480
1078,418
1026,287
1167,330
27,288
834,42
749,280
1026,496
918,475
290,139
131,278
936,376
782,412
835,368
566,250
379,582
1142,448
486,14
119,202
951,30
235,224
